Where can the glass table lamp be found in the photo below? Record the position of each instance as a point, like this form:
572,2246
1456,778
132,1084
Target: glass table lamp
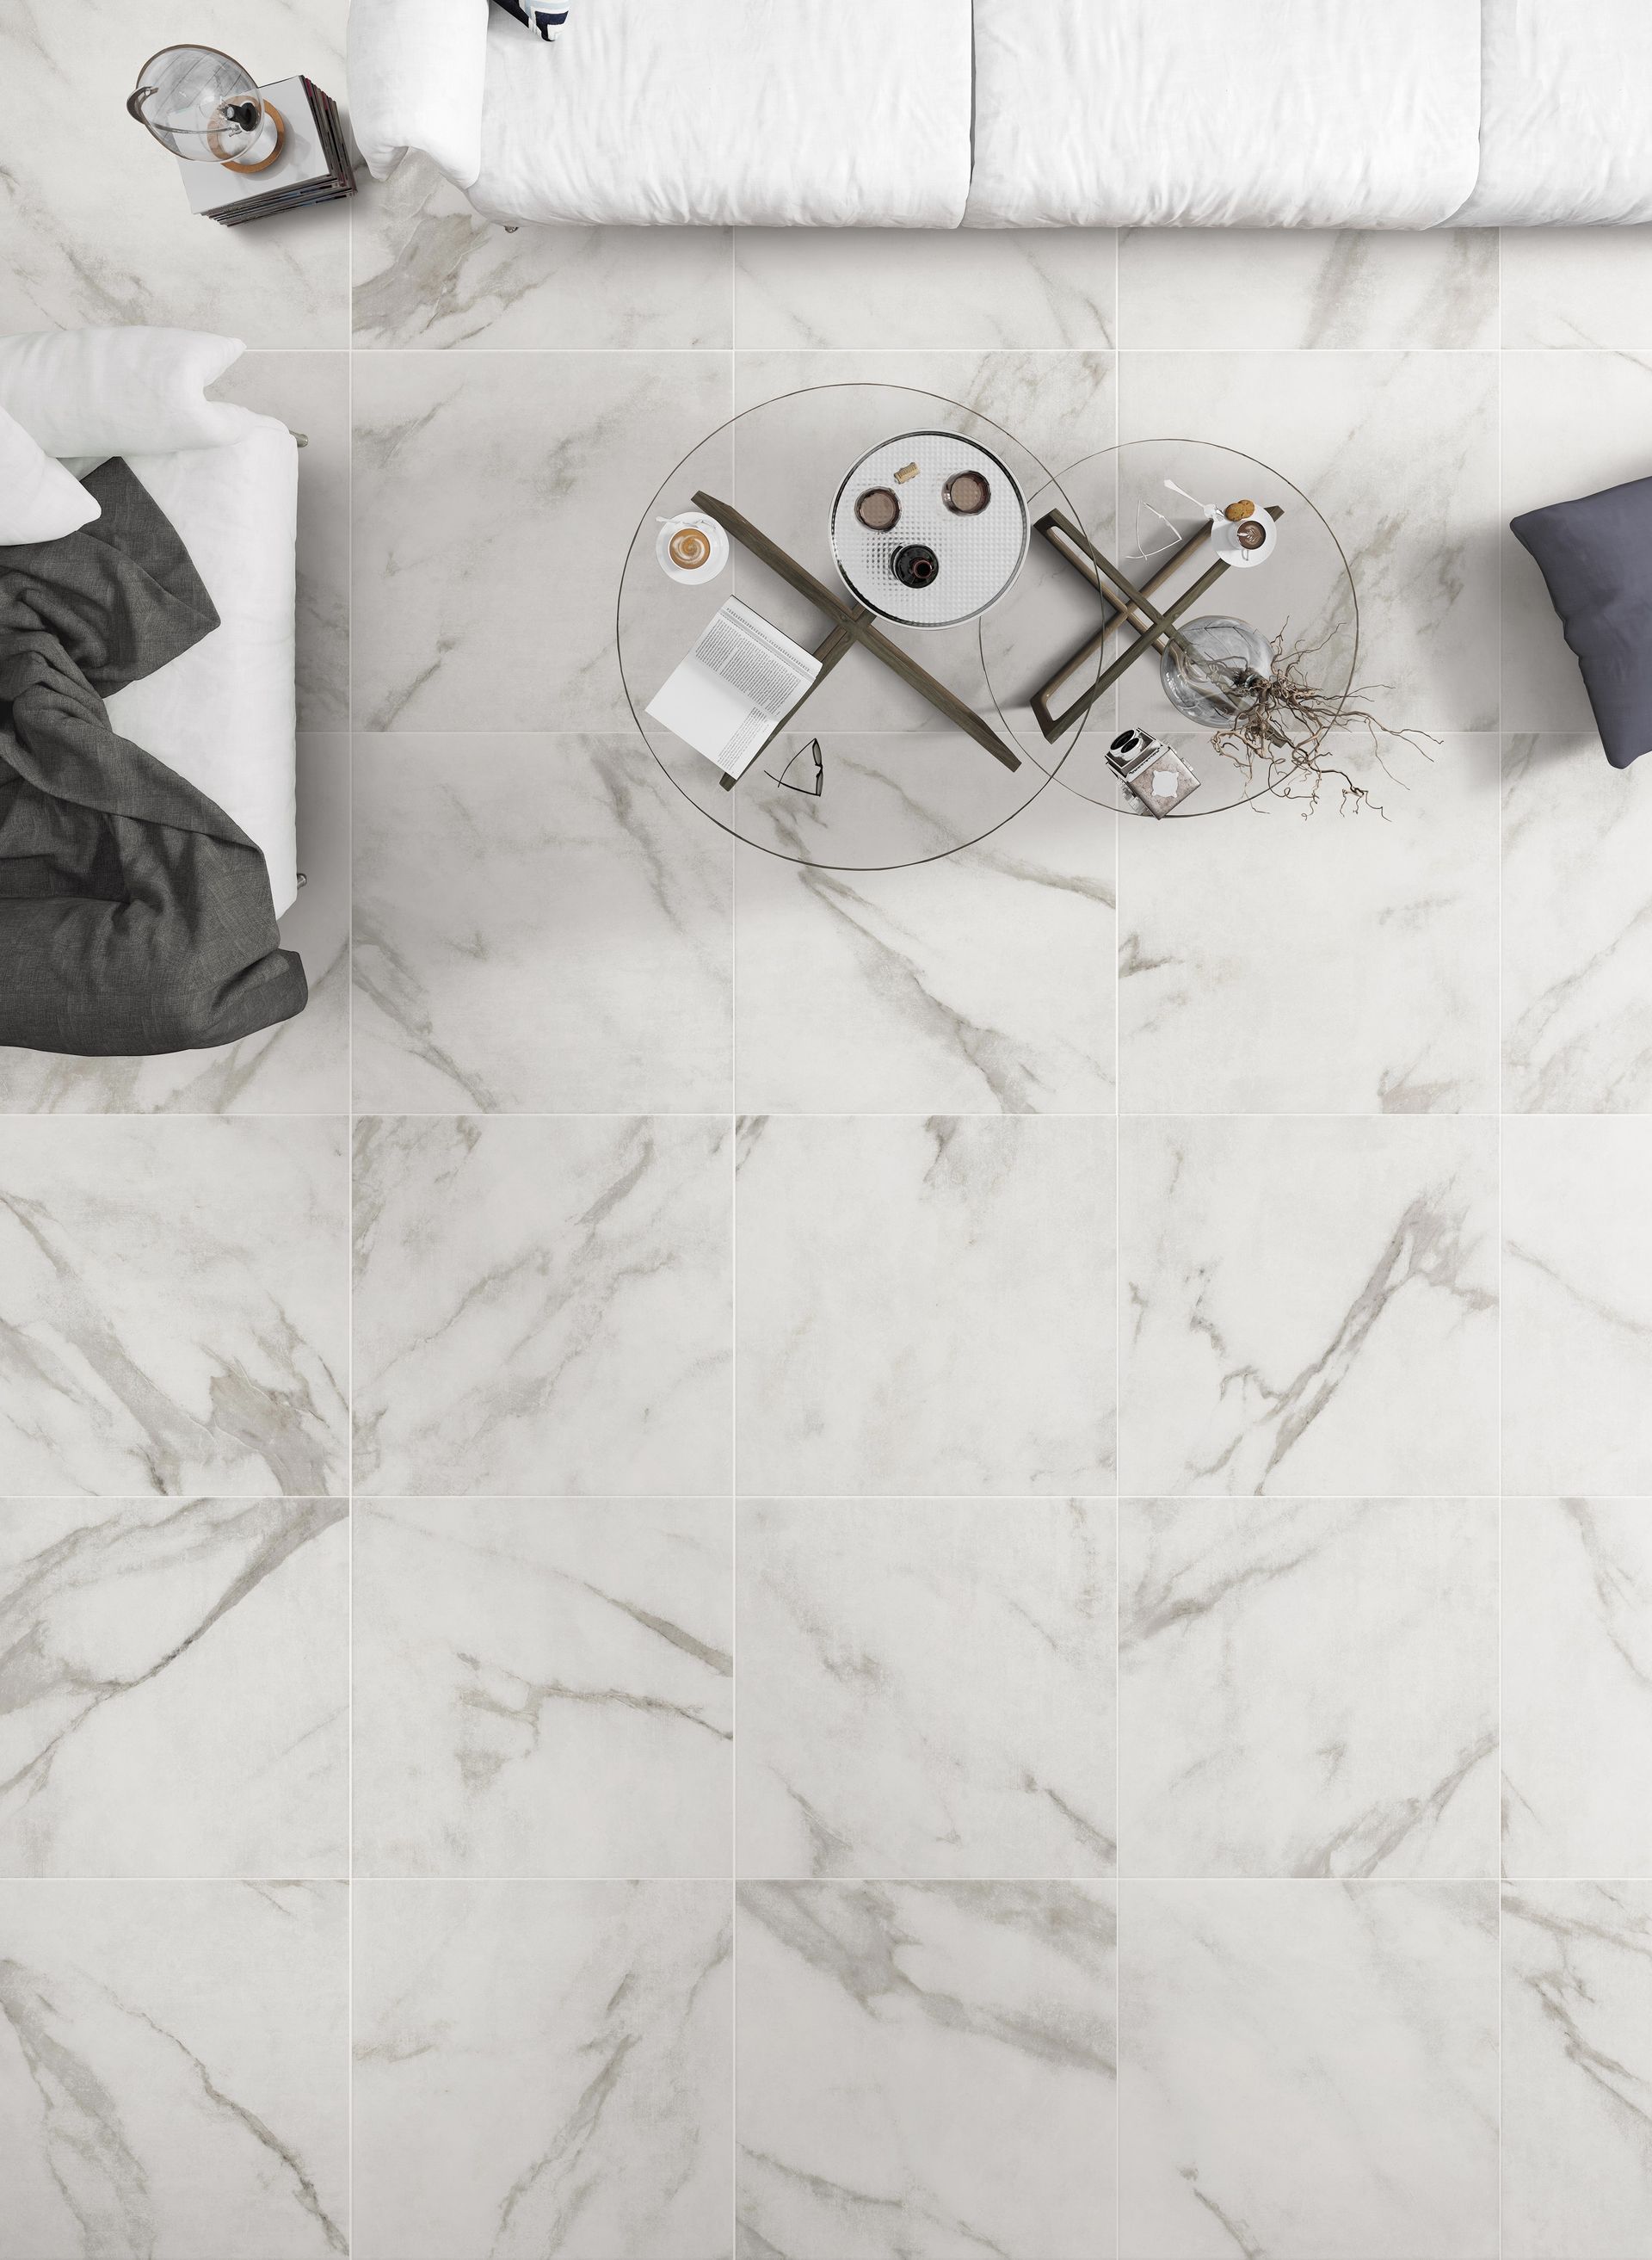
201,104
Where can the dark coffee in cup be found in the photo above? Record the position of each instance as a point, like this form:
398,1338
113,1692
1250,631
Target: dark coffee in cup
878,508
966,493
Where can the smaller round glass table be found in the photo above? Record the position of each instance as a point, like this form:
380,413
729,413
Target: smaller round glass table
1133,502
869,774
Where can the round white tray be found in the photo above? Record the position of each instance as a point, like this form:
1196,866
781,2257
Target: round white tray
980,556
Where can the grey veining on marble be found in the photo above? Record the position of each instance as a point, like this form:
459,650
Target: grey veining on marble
1577,2072
816,288
429,271
1573,423
1576,1304
980,983
300,1066
1271,962
1399,452
543,1687
542,1306
575,956
1308,2071
310,394
542,2069
172,1306
1576,1687
924,1306
926,2070
1577,286
1308,1689
172,2069
94,222
926,1688
495,497
1310,1307
1576,930
176,1688
1195,289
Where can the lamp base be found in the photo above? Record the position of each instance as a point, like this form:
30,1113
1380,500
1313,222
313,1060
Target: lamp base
277,124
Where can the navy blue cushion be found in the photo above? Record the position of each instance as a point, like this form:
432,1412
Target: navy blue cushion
1596,555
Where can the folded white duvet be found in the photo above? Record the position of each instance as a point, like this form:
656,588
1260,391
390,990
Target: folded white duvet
222,714
821,113
1226,113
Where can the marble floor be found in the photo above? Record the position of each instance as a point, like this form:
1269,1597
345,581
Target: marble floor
893,1566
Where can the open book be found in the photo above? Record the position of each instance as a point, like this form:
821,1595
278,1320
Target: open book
740,681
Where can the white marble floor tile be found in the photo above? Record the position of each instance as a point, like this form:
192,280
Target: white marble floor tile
1308,2071
1399,452
543,1687
1577,2071
926,1688
1576,1304
1577,286
177,1689
1572,423
1310,1306
542,2069
1576,930
1576,1687
1341,962
816,288
1191,288
172,1306
1060,405
542,1306
1308,1689
173,2069
495,498
926,2070
95,222
980,983
428,270
300,1066
310,394
924,1306
575,953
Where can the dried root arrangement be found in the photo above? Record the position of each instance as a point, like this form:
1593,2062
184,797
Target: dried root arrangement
1285,730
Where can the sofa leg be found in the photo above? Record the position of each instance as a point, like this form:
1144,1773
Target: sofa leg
511,226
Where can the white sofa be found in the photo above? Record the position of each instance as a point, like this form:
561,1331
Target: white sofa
1021,113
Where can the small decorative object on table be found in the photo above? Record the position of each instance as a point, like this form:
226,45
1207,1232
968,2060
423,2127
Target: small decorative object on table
1154,771
247,152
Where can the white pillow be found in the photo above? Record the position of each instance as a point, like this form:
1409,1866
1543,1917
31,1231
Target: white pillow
120,391
39,500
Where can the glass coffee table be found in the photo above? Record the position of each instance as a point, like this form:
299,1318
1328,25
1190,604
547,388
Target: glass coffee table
921,738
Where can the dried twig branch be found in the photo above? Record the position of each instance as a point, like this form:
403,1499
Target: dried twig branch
1283,722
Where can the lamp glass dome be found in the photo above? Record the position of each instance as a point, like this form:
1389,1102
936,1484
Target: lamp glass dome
202,104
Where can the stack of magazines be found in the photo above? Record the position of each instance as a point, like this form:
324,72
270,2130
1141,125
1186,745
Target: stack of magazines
313,165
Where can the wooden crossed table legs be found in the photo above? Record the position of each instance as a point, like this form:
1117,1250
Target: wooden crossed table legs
851,624
1124,601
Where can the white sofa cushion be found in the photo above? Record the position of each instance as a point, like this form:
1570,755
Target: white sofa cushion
109,391
415,70
40,501
823,113
1226,113
1566,114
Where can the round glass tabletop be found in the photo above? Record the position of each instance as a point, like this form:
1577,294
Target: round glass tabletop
1139,505
872,773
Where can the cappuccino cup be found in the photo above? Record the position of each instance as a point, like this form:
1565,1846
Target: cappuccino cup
691,547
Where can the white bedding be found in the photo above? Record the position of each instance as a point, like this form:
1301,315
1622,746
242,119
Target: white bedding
1566,122
1226,113
223,714
823,113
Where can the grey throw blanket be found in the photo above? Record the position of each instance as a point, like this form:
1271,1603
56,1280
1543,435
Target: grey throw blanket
135,915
